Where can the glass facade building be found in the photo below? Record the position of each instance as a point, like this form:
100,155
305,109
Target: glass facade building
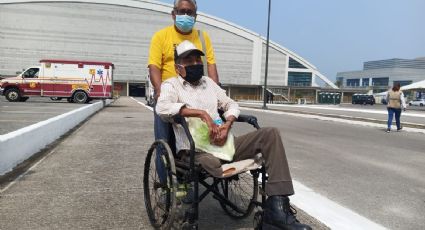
383,74
353,82
299,79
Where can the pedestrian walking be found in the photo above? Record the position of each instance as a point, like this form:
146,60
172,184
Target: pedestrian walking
395,103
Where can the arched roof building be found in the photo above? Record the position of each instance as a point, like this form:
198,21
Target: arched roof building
120,31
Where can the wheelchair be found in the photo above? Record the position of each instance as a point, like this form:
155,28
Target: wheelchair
238,195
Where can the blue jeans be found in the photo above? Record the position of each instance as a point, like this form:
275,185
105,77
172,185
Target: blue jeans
163,130
391,112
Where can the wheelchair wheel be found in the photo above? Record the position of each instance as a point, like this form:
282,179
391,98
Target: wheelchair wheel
242,191
160,185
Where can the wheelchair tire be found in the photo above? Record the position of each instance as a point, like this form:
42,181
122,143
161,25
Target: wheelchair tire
160,196
242,191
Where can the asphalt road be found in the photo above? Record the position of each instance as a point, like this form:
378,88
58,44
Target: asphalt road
376,174
93,178
16,115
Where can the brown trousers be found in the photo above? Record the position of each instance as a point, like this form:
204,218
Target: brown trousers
266,141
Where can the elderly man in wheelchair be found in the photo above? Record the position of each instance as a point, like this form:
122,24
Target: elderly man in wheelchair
172,178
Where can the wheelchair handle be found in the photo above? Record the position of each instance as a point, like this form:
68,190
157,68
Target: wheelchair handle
252,120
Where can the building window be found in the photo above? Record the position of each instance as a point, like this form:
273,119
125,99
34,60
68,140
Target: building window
365,81
353,82
380,81
403,83
295,64
299,79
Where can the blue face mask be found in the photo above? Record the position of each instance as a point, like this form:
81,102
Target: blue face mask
185,23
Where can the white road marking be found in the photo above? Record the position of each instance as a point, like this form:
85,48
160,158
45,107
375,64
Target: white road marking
141,103
333,215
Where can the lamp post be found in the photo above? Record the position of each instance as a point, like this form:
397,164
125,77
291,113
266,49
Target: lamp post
267,58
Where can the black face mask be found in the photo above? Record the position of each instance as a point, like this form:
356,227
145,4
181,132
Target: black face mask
194,73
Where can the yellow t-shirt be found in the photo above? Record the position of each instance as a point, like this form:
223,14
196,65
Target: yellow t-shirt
161,52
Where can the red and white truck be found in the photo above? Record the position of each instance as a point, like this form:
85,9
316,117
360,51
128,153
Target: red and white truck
77,81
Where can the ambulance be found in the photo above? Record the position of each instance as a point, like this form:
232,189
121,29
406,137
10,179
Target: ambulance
77,81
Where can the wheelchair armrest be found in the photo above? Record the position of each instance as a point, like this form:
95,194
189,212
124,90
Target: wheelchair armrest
252,120
179,119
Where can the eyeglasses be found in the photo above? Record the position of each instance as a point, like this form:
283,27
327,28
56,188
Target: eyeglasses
185,11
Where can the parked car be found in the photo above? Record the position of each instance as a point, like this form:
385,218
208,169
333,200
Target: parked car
417,102
363,99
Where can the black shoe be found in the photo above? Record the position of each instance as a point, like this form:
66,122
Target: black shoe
388,130
278,214
399,129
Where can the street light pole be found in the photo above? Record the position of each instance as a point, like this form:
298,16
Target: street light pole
267,58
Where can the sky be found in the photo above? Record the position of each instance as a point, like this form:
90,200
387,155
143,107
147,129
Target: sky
333,35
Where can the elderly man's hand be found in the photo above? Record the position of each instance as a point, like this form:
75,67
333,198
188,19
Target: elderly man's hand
212,127
222,135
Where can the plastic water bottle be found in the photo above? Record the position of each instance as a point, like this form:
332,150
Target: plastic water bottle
218,121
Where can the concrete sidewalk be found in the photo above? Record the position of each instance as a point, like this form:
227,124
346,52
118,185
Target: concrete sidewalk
93,180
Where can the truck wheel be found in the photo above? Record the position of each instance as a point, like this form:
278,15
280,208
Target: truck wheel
23,99
80,97
12,95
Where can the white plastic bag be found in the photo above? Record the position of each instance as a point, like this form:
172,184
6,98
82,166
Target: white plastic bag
200,134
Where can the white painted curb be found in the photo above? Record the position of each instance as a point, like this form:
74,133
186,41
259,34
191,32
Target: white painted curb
19,145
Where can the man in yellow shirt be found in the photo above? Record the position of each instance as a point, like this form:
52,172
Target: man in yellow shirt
161,53
161,56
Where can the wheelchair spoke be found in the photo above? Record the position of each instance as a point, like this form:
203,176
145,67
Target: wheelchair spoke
241,190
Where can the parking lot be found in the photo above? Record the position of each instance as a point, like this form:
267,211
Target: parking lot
16,115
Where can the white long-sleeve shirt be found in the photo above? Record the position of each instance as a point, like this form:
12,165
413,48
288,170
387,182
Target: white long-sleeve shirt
207,95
